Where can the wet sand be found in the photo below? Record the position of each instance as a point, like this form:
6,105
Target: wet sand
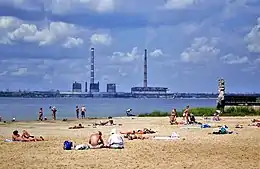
195,149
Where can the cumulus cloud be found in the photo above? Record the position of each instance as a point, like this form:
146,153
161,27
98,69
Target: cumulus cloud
126,57
179,4
103,39
62,7
233,59
21,71
202,49
156,53
73,42
253,38
15,31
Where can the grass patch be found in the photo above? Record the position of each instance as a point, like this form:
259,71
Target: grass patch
208,111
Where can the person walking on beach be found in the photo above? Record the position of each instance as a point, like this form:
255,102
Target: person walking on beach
54,111
40,115
77,112
83,112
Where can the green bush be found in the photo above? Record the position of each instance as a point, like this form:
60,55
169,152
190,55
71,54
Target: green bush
241,111
155,113
208,111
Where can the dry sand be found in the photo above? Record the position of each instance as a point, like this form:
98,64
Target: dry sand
196,149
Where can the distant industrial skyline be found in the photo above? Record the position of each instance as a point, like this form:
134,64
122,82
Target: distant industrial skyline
189,44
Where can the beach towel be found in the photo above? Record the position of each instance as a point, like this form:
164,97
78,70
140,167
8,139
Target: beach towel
117,146
81,147
191,127
174,136
166,138
8,140
205,126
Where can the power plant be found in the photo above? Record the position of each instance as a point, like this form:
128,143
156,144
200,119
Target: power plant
145,89
111,88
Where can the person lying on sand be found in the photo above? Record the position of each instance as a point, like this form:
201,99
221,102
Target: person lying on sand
255,120
104,123
144,131
222,130
254,124
239,126
77,127
135,136
25,137
96,140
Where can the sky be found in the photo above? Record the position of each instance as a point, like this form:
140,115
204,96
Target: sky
45,44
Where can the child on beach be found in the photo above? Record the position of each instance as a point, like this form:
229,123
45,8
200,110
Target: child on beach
40,115
77,112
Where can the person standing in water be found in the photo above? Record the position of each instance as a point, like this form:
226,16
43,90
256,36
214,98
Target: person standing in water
77,112
40,115
83,112
54,111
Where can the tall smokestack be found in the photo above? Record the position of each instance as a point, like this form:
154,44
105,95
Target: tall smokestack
92,66
145,68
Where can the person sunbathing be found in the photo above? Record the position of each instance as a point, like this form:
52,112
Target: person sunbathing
239,126
77,127
135,137
144,131
25,137
104,123
254,124
255,120
96,140
222,130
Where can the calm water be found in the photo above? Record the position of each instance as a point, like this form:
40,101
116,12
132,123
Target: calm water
27,108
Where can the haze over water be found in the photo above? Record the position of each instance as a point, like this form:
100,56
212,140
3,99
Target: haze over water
28,108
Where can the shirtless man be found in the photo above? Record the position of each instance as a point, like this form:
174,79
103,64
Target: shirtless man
96,140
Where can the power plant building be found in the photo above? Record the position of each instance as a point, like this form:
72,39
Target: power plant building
145,89
93,87
76,87
111,88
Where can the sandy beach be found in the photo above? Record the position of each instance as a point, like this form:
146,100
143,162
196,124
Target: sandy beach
195,149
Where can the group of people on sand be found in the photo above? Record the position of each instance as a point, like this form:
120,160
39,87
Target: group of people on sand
188,117
115,140
25,137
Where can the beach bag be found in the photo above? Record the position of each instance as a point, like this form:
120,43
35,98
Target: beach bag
67,145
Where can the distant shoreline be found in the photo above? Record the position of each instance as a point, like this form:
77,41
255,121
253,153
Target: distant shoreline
179,98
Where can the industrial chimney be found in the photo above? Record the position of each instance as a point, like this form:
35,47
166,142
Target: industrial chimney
92,66
145,68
